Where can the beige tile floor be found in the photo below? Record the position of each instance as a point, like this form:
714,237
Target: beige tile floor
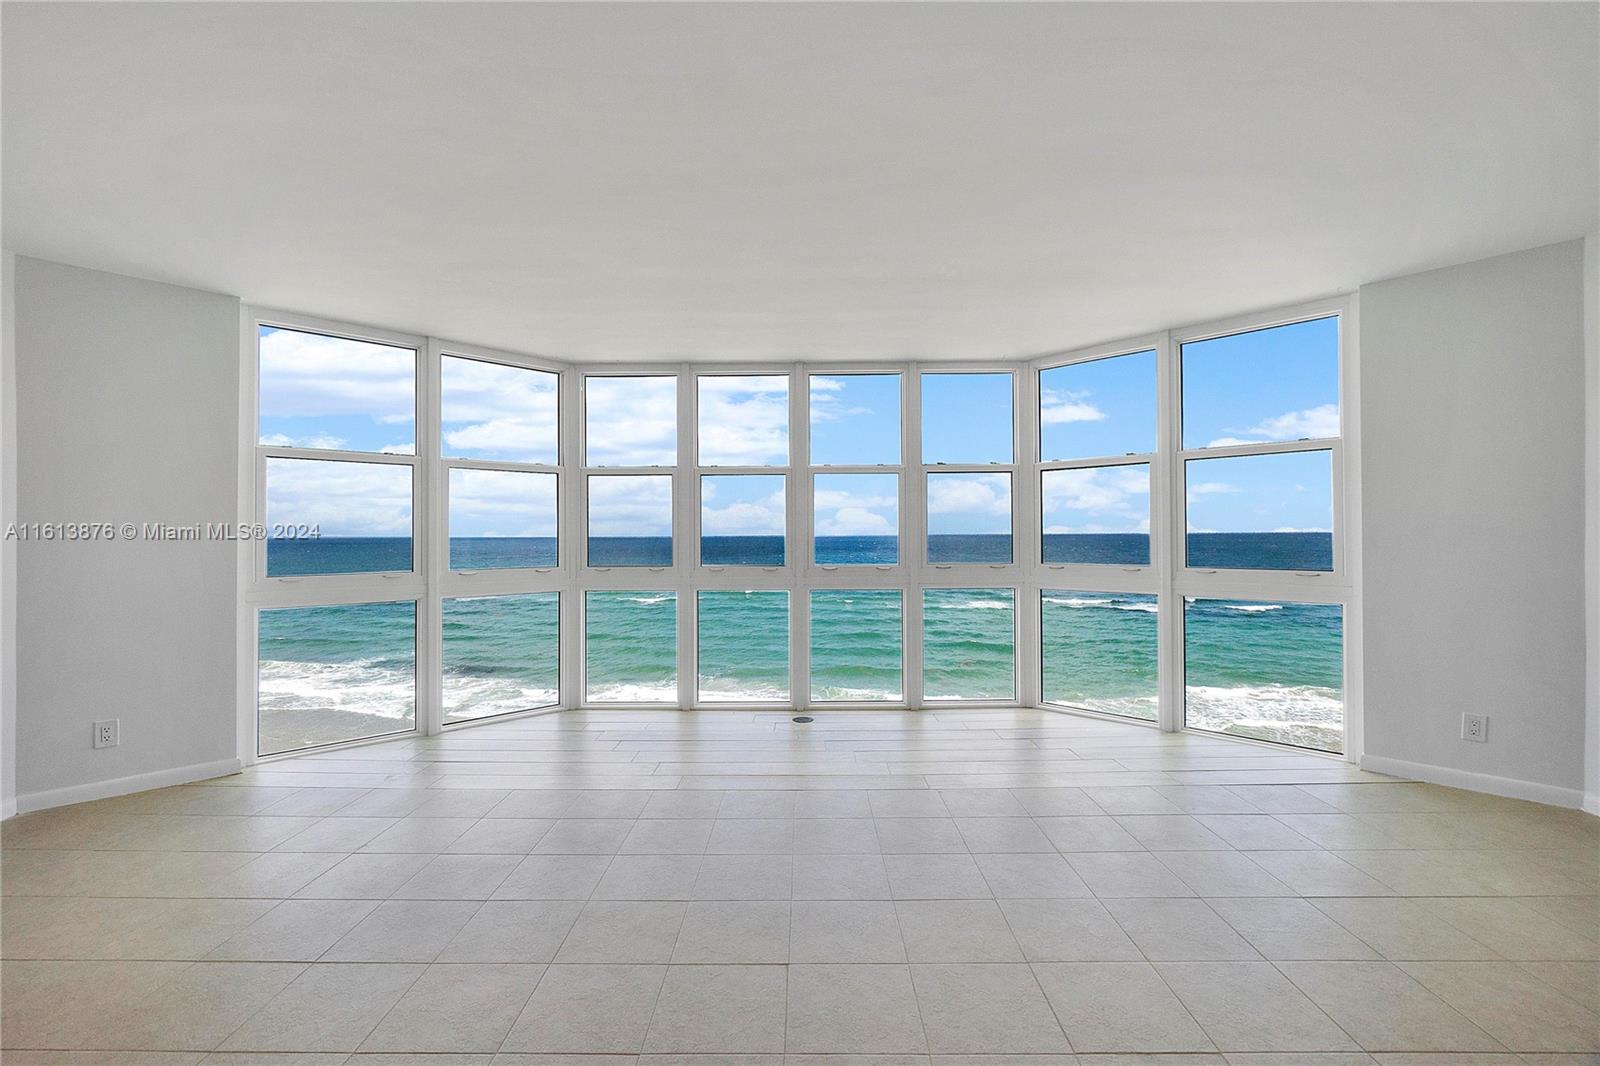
973,887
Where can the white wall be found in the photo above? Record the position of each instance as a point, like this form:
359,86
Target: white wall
1473,433
1591,335
127,411
8,548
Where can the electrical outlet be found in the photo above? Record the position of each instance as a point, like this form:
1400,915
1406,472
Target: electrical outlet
1475,727
105,733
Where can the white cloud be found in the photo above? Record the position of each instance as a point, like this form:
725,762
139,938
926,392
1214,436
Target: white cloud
632,421
1202,489
306,375
1312,423
630,506
1097,500
499,411
857,505
744,421
969,494
342,499
855,522
1058,408
485,503
760,517
283,440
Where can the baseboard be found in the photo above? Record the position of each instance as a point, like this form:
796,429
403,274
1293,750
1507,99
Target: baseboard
122,786
1591,802
1511,787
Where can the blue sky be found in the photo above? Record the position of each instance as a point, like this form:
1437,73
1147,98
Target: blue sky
1268,385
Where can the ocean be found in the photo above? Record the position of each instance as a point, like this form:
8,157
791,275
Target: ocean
1265,669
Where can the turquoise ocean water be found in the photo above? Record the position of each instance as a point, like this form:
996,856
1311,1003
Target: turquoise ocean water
1267,669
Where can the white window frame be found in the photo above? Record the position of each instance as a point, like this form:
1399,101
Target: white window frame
1027,576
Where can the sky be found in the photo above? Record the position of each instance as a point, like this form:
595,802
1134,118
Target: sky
1268,385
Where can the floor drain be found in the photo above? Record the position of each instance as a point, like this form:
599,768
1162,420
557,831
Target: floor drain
803,718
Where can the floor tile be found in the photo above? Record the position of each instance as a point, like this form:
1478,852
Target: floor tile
458,877
403,931
987,1008
456,1008
935,877
554,877
1120,1007
1250,1006
328,1007
731,931
840,877
1113,874
1511,1005
296,930
864,1010
753,876
1179,930
845,931
719,1009
1402,929
616,931
1291,929
650,877
956,930
1030,876
1067,930
1384,1009
588,1009
513,931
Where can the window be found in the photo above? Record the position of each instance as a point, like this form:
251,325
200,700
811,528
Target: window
1270,670
966,419
969,518
1096,514
1261,512
855,419
630,421
631,647
1098,651
742,646
1275,384
857,645
744,421
501,519
969,644
335,393
742,520
336,517
334,673
630,520
502,654
1103,407
496,412
857,519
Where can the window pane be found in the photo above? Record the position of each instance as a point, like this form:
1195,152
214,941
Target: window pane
966,418
631,643
856,641
492,411
329,516
330,674
855,419
1103,407
630,520
969,518
1261,512
501,518
969,644
501,654
857,518
743,646
1099,651
741,520
1272,671
630,421
1269,384
744,421
1097,515
331,392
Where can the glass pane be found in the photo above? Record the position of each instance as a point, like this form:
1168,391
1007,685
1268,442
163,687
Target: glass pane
330,674
1261,512
501,654
1272,671
631,645
969,518
743,647
744,421
1269,384
328,516
966,418
741,520
969,644
492,411
1104,407
1097,515
1099,651
630,520
855,419
856,641
630,421
857,518
331,392
501,518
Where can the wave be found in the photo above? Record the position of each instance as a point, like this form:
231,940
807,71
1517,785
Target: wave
1251,608
648,601
976,605
1074,601
1142,608
363,686
633,693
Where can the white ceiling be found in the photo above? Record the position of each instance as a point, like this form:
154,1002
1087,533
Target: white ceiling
804,181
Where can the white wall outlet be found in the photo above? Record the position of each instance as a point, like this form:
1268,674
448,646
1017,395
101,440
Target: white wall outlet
1475,727
105,733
